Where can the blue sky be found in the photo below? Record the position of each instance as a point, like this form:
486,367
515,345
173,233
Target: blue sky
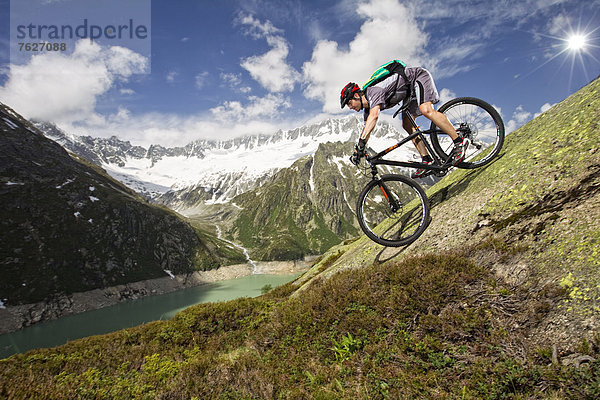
220,69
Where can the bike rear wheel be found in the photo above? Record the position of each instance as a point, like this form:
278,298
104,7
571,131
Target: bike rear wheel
393,210
476,120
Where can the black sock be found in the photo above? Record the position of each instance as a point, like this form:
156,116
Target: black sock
427,158
458,140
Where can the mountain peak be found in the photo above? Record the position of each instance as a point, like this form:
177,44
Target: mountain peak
206,165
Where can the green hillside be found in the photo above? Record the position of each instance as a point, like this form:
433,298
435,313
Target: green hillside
499,299
286,219
66,226
540,197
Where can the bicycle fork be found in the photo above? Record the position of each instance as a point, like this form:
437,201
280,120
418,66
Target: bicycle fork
389,196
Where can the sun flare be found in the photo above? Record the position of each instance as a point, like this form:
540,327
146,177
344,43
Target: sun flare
576,42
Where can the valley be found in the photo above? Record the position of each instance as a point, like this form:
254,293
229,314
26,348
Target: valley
281,185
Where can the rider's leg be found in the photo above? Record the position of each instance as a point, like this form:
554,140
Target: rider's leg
439,119
426,158
408,127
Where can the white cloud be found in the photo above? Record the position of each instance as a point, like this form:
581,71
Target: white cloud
230,120
171,76
234,81
256,29
270,69
122,114
520,117
446,95
64,88
257,108
543,109
378,41
202,79
559,25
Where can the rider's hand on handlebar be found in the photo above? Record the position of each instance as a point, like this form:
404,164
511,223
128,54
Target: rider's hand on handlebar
359,152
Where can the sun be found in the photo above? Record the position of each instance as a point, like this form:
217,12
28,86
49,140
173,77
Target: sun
576,42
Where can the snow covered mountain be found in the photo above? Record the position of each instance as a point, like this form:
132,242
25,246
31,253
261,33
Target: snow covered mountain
209,172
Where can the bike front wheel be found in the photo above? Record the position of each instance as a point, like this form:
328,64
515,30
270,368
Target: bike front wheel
473,119
393,210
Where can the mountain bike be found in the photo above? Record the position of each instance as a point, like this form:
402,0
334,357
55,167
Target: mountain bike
393,209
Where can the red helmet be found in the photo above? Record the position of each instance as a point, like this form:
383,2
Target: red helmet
348,93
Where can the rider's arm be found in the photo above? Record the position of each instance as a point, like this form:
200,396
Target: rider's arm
370,123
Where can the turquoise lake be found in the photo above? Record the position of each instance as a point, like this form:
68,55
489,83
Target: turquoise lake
132,313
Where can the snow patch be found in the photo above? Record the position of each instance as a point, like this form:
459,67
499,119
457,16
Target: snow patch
169,273
66,183
351,207
311,180
228,168
11,124
255,159
340,162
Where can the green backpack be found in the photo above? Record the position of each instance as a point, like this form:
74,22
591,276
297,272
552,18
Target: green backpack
392,67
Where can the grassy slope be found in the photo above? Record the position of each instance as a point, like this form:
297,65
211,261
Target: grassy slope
429,321
541,197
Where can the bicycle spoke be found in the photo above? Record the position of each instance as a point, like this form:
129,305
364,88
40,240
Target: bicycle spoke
477,121
392,212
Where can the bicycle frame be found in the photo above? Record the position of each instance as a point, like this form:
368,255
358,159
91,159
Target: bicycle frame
437,165
380,207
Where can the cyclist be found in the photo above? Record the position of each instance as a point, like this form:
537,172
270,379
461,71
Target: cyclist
416,86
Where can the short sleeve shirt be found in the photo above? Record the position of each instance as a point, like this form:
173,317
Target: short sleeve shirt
391,91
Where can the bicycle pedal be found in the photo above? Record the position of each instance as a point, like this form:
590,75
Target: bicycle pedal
440,174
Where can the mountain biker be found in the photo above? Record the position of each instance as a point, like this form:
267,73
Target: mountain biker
420,92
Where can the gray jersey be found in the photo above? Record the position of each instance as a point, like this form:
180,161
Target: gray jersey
394,89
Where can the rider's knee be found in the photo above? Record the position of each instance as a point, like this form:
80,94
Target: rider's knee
427,110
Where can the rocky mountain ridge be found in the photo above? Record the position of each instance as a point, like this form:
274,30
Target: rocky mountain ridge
202,172
303,209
